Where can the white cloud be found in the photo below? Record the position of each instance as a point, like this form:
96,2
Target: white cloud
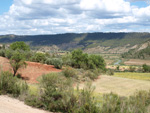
61,16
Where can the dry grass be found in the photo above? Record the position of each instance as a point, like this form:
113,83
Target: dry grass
118,85
137,62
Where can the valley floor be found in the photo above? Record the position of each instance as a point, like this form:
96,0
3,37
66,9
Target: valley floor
118,85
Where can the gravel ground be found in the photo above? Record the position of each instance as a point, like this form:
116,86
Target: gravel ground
10,105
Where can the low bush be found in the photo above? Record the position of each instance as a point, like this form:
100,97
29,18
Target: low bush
90,75
57,62
110,72
146,68
9,53
12,85
69,72
2,52
137,103
38,57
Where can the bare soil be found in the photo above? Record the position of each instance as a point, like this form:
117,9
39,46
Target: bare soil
32,71
11,105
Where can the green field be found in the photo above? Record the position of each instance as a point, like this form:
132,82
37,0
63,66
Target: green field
133,75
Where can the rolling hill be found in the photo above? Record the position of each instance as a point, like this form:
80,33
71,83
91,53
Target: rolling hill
90,42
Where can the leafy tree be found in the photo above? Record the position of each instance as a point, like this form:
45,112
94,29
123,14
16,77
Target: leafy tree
79,58
96,61
39,57
17,61
83,60
146,68
19,46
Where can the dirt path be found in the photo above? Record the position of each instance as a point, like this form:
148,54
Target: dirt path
10,105
120,86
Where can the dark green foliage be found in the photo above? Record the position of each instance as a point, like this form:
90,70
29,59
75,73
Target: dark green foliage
57,62
38,57
17,61
79,58
142,54
96,61
67,59
11,85
2,53
85,61
83,39
146,68
9,53
58,95
54,87
19,46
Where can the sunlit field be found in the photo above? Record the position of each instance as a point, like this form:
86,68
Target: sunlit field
133,75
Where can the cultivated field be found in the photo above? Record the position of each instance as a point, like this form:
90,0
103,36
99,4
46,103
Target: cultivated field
118,85
133,75
137,62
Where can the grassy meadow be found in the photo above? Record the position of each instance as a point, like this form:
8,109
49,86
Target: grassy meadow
133,75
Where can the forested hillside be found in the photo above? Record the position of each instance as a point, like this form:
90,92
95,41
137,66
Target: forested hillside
141,54
68,41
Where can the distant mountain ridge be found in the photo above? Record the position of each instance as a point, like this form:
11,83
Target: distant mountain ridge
98,42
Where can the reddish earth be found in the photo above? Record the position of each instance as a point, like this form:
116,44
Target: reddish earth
32,71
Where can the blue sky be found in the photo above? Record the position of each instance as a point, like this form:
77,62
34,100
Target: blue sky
62,16
139,4
4,6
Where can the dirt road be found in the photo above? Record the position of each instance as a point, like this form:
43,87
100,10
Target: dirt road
10,105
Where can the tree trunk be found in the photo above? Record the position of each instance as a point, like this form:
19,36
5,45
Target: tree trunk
14,73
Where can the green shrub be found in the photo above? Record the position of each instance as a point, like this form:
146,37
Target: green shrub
79,58
49,61
57,63
53,86
110,72
91,75
86,103
33,100
67,59
85,61
38,57
54,61
96,61
2,52
12,85
146,68
9,53
19,46
69,72
137,103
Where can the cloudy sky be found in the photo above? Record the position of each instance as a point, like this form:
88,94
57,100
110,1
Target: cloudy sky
79,16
